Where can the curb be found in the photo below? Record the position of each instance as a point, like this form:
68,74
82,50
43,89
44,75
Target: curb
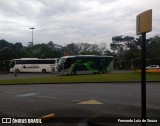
113,82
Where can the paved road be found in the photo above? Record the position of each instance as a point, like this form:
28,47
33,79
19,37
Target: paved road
77,100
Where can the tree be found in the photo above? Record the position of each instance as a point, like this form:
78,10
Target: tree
9,51
82,49
89,49
153,50
43,51
72,49
123,46
125,49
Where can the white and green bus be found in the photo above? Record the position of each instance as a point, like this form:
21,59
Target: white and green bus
33,65
85,63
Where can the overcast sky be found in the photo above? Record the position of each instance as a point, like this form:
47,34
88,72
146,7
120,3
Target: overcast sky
66,21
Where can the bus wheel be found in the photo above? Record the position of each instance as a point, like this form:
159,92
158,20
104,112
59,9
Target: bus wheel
99,71
17,71
104,71
43,71
73,73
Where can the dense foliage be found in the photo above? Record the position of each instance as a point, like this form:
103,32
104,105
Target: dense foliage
125,49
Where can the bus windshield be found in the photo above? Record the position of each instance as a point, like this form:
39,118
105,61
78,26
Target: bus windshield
61,61
12,64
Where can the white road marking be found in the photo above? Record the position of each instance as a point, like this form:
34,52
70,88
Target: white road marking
27,95
47,97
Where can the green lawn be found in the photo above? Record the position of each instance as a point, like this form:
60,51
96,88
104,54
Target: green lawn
110,77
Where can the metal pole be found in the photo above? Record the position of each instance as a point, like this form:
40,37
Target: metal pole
143,78
32,34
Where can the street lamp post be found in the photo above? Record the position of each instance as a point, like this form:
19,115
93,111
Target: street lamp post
32,28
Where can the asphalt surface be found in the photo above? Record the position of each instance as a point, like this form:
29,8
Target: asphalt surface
78,100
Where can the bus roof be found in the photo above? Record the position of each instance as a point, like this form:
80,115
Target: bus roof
84,56
35,59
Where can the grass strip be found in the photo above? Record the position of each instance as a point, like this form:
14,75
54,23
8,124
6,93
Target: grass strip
110,77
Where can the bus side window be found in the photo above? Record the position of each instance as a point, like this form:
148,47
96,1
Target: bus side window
53,61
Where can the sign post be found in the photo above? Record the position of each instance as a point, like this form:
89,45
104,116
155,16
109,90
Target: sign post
144,24
143,77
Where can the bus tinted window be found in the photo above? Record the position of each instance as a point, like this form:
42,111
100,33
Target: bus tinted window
50,61
35,61
21,62
68,62
44,61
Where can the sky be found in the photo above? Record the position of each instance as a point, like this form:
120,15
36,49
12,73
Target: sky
67,21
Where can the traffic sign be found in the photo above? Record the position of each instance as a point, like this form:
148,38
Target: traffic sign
144,22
